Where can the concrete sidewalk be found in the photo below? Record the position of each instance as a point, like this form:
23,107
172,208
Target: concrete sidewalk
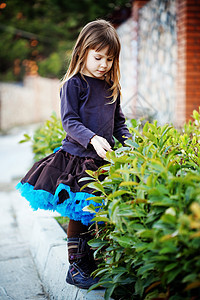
19,278
33,254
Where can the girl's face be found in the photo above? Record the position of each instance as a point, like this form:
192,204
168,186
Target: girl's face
98,63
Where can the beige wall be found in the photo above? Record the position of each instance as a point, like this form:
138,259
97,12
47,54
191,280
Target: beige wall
128,66
32,102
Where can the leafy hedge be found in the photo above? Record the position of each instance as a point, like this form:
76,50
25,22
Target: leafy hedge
150,243
46,138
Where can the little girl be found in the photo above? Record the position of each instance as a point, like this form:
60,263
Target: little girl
91,116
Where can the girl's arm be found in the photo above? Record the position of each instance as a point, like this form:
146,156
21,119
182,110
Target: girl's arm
70,113
71,120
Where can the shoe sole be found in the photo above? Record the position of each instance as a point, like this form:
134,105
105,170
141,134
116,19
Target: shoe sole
77,285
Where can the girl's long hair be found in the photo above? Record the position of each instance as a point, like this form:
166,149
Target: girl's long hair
97,35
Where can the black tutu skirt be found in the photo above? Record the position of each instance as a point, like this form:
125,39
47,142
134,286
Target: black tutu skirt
53,184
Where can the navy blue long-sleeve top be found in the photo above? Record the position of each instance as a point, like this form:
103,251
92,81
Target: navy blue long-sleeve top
86,111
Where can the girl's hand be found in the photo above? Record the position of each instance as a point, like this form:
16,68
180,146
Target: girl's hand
100,145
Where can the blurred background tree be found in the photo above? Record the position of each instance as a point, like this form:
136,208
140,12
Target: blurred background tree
37,36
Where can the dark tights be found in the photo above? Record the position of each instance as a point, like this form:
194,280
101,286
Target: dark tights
76,229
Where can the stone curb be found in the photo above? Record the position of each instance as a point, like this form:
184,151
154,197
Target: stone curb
48,247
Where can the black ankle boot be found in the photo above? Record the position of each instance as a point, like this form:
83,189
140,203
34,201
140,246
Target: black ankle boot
82,264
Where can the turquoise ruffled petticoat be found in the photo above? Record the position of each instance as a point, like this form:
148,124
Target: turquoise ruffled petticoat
53,184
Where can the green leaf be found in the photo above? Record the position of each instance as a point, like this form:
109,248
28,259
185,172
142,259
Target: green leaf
131,143
124,241
138,134
153,128
96,285
170,267
195,115
145,268
151,137
128,183
97,186
86,179
166,128
191,278
169,219
172,275
96,199
92,173
100,271
157,165
101,219
89,209
118,194
27,138
128,171
146,127
95,243
137,227
168,249
109,291
139,287
163,258
119,270
114,207
146,233
140,246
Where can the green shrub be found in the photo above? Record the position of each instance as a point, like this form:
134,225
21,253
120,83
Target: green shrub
149,245
51,65
46,138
